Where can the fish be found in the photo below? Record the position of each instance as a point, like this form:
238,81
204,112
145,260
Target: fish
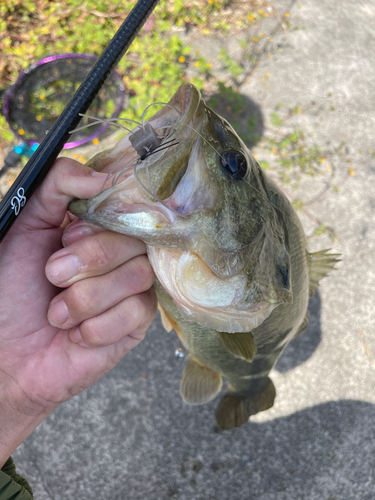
233,271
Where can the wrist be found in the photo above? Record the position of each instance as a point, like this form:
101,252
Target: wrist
18,417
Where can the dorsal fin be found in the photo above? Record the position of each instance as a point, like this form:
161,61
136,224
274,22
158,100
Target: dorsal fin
320,264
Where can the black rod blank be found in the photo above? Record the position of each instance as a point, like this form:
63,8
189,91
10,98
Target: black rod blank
39,164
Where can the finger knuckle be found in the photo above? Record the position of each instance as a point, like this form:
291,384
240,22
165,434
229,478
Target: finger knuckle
153,302
66,168
135,311
100,252
91,333
147,306
141,272
80,298
139,334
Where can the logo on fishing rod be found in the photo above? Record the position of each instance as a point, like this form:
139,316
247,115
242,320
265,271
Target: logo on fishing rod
18,201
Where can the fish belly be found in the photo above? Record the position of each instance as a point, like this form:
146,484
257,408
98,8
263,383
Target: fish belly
250,390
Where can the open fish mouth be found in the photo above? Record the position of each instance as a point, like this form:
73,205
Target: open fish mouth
174,196
143,186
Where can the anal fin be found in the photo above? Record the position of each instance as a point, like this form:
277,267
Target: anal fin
241,345
235,409
320,264
199,384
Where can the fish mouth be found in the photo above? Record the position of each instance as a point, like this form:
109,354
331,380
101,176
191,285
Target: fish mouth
140,201
161,200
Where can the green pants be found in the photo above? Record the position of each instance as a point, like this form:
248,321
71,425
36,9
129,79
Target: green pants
12,485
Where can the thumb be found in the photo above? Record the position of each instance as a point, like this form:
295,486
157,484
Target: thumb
66,180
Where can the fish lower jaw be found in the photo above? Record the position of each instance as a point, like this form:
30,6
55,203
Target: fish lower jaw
144,224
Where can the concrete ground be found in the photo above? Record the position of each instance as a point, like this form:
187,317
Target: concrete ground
131,437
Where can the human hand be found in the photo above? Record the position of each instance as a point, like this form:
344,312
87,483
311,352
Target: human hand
49,354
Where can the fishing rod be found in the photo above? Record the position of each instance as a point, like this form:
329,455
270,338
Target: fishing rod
41,161
54,79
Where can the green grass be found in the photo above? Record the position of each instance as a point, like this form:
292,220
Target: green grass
159,61
155,65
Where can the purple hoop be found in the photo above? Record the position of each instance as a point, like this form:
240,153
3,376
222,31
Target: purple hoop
46,60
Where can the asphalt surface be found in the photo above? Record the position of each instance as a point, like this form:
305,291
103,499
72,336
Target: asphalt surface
131,437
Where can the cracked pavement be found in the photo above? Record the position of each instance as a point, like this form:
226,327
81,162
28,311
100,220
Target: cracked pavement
131,437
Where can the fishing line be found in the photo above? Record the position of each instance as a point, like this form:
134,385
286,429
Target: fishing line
130,164
257,190
151,191
156,150
154,194
270,202
41,161
153,104
123,170
112,121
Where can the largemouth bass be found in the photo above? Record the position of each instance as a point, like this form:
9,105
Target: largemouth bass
233,271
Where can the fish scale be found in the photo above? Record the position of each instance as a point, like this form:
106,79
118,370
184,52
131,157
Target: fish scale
211,218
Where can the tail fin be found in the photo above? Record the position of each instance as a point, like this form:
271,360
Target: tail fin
320,264
234,409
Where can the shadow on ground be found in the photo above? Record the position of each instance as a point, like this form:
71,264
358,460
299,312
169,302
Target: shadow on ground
131,436
244,114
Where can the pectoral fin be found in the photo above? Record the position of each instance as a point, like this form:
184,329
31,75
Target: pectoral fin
169,323
165,319
199,384
241,345
320,264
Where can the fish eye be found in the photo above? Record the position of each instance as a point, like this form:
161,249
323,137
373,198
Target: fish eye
234,163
